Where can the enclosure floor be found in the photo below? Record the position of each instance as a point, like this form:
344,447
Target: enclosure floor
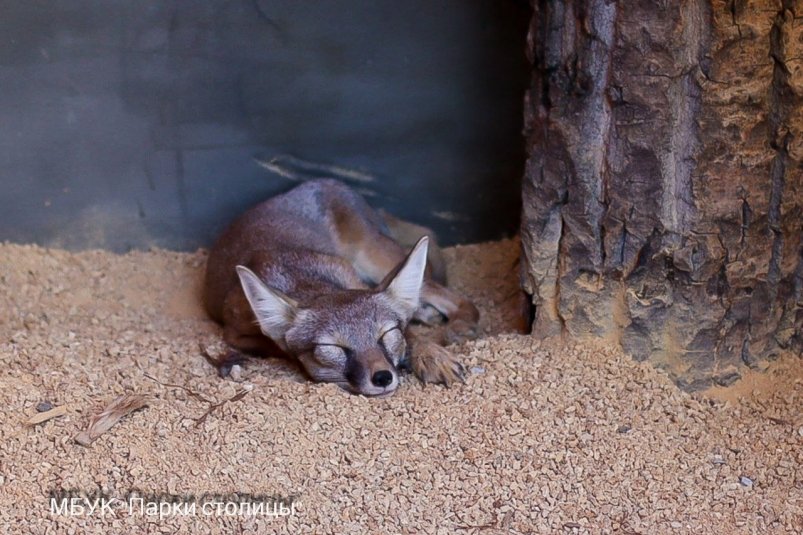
543,438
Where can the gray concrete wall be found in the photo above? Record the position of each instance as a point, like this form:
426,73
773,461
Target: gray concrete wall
131,124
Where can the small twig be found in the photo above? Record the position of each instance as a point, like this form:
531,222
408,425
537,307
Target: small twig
480,527
192,393
778,421
213,405
624,523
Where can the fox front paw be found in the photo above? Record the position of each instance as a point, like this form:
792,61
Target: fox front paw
434,364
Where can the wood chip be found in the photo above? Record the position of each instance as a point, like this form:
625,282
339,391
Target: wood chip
111,415
42,417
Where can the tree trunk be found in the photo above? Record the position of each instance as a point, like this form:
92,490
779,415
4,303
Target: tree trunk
663,196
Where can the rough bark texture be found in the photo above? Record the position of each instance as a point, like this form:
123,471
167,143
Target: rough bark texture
663,197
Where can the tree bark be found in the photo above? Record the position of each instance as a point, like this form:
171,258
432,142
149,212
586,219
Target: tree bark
663,194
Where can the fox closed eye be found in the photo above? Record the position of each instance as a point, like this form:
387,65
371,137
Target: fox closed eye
395,327
331,354
393,341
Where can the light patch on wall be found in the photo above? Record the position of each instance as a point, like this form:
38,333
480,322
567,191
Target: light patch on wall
450,216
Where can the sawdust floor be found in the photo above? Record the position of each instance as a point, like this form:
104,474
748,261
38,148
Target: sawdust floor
544,438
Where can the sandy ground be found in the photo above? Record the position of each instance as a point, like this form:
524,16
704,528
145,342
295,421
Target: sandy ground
544,438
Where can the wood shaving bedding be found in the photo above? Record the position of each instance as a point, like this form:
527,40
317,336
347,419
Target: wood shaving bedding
545,437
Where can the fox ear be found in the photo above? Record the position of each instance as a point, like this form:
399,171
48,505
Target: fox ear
274,311
404,289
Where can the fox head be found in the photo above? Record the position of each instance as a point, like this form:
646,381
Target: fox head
354,338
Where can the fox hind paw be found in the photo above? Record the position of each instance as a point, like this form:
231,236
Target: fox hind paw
428,315
460,330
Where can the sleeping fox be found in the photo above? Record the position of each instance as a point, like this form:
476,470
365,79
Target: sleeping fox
315,274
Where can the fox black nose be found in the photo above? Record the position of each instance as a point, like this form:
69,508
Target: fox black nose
382,378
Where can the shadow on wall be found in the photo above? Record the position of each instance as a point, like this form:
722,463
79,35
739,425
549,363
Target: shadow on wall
131,124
